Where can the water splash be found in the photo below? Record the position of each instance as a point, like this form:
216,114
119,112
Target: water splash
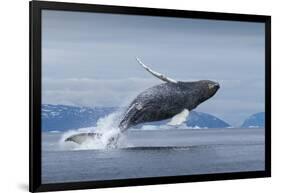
106,126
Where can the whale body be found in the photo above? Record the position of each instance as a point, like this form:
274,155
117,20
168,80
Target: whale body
166,100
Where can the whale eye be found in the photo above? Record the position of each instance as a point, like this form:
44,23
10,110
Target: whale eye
211,86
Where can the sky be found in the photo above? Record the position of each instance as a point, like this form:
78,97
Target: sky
88,59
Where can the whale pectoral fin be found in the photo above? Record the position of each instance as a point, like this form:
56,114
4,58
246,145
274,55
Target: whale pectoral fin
178,119
156,74
131,116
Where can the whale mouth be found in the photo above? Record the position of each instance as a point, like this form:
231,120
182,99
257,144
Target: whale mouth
214,86
217,85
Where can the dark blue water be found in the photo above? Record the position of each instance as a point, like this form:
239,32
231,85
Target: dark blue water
156,153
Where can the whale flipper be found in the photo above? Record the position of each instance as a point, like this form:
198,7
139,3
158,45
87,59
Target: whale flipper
178,119
156,74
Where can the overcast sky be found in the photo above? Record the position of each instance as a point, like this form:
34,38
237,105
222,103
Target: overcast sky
88,59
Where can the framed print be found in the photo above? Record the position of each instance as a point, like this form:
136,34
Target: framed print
125,96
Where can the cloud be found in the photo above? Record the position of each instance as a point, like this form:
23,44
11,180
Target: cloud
93,92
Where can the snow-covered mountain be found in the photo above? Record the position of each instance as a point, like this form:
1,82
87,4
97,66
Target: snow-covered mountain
62,118
205,120
254,121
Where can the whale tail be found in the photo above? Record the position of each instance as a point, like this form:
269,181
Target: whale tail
80,138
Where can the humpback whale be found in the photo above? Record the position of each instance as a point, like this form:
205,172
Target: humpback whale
171,99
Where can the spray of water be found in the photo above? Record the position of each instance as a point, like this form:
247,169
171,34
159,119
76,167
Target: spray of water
106,126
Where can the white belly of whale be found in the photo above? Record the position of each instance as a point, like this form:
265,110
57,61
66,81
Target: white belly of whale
178,119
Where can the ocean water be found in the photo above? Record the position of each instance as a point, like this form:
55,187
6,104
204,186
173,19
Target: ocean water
151,153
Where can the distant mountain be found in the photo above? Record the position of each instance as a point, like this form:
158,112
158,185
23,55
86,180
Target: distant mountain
205,120
254,121
63,117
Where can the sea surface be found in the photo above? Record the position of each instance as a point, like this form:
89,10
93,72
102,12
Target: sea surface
151,153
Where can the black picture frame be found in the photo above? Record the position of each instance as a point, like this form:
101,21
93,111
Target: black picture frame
35,184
